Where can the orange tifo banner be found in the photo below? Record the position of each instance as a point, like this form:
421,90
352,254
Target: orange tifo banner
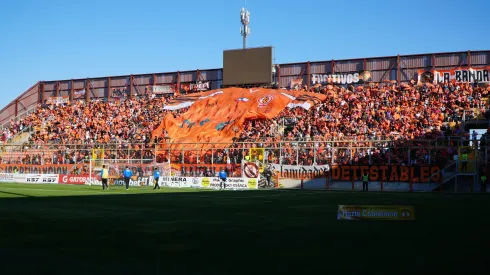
215,116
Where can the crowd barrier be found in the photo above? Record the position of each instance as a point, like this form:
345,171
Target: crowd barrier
175,182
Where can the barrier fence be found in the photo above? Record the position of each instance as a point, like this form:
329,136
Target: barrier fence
370,151
392,164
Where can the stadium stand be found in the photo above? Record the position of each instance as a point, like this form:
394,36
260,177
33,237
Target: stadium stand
365,113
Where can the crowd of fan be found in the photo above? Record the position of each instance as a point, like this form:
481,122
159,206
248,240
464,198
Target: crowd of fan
368,113
127,125
375,116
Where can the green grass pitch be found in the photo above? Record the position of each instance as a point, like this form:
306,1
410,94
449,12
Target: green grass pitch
60,229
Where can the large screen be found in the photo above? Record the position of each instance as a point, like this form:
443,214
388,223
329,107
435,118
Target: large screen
247,66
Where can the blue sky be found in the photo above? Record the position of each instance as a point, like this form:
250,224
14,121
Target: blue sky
49,40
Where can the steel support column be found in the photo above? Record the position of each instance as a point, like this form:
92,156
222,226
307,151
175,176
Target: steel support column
41,92
16,108
87,90
57,89
398,71
177,89
109,88
130,86
72,90
278,73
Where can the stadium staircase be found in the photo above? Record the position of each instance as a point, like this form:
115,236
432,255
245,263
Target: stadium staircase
454,180
12,149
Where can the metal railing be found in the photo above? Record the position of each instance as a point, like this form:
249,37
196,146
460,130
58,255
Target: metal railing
427,152
20,116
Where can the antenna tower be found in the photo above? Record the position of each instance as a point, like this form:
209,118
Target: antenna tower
244,29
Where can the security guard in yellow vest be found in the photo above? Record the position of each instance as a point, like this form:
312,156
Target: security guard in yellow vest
365,182
464,164
104,174
483,183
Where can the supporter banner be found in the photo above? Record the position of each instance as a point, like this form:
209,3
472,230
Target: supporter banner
185,87
79,94
352,78
375,212
208,182
44,169
189,100
75,179
385,173
304,172
119,92
197,169
471,75
296,84
256,154
162,89
224,112
58,100
200,86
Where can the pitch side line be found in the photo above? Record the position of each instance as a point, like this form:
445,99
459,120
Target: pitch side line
187,195
47,190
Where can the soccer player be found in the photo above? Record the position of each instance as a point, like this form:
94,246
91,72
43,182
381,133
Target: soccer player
222,176
156,176
127,176
104,175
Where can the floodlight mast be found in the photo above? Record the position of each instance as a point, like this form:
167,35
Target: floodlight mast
244,29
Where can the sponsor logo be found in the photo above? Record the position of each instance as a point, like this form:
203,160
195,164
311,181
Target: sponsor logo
140,181
32,179
6,177
264,101
205,182
49,180
252,183
195,181
75,179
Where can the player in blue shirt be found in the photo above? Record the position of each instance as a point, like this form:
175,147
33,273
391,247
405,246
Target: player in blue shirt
222,176
156,177
127,176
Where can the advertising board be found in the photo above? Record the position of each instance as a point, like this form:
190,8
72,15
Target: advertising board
208,182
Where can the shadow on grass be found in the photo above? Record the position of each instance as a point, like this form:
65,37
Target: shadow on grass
16,194
232,232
